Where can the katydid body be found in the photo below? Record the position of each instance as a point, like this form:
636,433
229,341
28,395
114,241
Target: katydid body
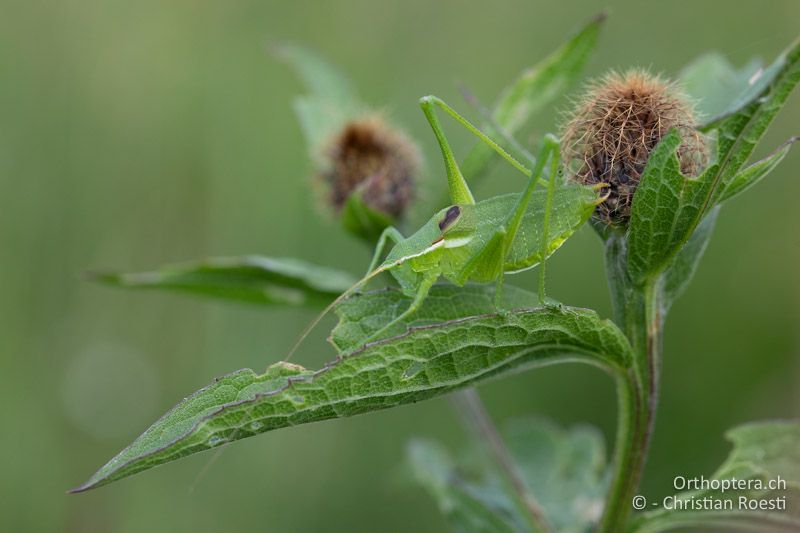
480,241
473,243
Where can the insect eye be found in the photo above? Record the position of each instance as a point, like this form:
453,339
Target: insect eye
449,217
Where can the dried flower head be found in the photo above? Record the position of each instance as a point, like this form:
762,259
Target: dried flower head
616,124
380,161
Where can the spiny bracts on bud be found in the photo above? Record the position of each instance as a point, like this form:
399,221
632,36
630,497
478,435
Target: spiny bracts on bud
615,125
380,161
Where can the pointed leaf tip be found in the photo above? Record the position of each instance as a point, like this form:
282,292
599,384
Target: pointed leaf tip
447,351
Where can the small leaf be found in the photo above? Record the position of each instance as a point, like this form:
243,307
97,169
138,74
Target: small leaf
535,89
658,205
322,80
254,279
565,470
668,206
752,174
361,220
763,452
714,84
765,449
422,363
331,98
739,132
681,271
467,508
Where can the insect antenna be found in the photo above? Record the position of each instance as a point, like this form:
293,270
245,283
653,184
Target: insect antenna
311,325
202,473
370,275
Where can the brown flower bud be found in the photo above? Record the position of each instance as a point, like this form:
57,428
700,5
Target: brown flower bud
616,124
380,161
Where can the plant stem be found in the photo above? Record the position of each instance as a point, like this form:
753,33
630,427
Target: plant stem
638,310
474,413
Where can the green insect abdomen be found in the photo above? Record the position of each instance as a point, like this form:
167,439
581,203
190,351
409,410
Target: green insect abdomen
572,206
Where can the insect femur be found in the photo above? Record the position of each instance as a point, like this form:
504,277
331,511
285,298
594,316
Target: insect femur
612,130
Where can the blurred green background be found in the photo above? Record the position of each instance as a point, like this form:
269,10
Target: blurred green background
138,133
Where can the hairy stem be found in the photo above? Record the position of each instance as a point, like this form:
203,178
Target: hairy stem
474,413
638,310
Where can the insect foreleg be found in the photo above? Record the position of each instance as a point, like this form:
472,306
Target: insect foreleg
358,284
424,287
459,190
389,234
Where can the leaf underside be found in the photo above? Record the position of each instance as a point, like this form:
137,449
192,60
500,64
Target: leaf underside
715,85
421,363
564,469
762,451
253,279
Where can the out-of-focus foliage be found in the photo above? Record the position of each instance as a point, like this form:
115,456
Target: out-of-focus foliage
564,469
136,134
255,279
764,465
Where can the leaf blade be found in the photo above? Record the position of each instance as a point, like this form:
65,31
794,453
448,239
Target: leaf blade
462,505
252,279
682,270
762,451
563,468
665,213
755,172
715,85
330,101
422,363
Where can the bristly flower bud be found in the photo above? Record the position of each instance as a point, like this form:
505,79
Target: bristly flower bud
375,159
616,124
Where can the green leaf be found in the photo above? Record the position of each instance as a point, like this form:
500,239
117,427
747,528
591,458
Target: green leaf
360,317
254,279
322,80
763,452
714,84
468,508
565,470
658,205
752,174
681,271
535,89
421,363
738,132
668,206
361,220
331,100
